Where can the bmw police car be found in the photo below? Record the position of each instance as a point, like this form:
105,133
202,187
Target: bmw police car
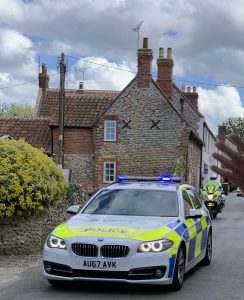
139,230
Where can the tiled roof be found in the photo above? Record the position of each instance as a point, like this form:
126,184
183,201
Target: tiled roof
35,131
81,106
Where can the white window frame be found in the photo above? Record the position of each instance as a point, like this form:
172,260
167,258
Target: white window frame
104,172
109,128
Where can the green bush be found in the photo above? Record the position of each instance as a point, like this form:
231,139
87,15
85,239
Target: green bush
30,181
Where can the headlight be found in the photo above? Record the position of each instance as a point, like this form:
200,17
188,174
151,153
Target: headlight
210,197
55,242
155,246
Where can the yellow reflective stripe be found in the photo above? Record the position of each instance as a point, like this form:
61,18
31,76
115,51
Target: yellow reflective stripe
155,234
174,236
172,251
191,228
204,223
198,244
64,231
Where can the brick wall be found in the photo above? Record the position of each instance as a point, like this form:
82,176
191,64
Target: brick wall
21,235
76,141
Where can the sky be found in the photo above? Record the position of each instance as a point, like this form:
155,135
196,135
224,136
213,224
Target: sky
206,37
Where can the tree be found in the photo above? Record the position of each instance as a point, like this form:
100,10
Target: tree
235,125
16,110
30,181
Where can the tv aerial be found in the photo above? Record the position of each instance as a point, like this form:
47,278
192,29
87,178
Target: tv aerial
137,29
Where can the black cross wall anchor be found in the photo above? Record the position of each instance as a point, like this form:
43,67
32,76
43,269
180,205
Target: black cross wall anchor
126,124
155,124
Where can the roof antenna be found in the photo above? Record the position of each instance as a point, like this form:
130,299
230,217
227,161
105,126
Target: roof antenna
137,29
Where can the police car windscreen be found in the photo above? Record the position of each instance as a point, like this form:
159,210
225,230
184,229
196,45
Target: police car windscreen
135,203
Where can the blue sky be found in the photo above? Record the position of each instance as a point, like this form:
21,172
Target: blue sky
205,36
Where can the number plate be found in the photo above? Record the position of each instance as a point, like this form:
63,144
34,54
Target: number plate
98,264
210,204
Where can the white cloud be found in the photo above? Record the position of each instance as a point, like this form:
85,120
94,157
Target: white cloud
220,104
99,77
205,37
17,55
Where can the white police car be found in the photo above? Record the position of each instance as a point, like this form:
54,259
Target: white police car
139,230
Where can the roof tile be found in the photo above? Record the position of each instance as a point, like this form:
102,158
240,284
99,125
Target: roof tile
81,106
34,131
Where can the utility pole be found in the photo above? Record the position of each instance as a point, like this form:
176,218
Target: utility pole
62,69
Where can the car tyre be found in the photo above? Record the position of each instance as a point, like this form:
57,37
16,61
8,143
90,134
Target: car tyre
208,255
179,271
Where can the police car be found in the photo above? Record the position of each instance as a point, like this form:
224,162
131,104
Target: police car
142,230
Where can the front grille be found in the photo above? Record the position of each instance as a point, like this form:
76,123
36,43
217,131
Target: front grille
114,251
87,250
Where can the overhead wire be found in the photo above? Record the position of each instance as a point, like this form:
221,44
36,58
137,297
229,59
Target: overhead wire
25,82
121,69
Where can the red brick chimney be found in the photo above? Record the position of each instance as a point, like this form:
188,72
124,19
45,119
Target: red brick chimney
144,64
43,78
191,95
165,72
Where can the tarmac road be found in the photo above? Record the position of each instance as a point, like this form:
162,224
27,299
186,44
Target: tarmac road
223,279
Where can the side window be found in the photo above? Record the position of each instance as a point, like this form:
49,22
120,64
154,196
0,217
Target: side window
187,202
194,198
109,172
110,131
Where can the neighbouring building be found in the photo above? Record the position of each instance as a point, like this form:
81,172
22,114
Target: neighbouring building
222,136
207,158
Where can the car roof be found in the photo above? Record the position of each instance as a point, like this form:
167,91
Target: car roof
144,185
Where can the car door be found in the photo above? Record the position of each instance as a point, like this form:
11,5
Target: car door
198,222
190,234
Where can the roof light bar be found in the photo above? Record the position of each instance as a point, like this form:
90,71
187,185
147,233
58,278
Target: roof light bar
147,178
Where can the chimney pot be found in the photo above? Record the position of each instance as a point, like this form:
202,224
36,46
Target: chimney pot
144,64
145,43
192,96
43,78
183,88
165,72
169,53
81,85
161,52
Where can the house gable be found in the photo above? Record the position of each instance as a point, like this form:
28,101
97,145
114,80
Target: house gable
157,134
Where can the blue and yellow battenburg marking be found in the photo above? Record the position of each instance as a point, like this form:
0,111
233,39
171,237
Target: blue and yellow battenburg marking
195,234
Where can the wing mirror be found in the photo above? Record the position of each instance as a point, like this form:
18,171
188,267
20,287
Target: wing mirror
73,209
194,213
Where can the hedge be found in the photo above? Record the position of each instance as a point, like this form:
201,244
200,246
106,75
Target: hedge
30,181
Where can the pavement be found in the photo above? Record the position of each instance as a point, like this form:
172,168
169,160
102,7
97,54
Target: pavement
12,266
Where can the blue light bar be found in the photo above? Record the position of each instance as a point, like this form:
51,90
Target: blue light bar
121,178
165,179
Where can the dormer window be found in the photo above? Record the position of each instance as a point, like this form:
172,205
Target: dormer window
110,131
